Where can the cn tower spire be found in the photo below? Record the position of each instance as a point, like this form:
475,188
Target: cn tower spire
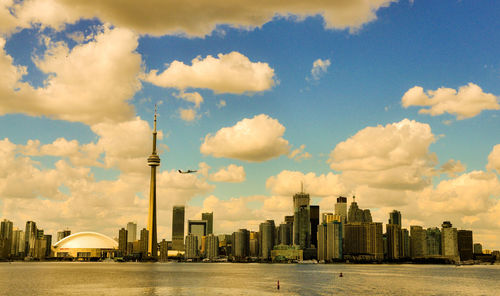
153,162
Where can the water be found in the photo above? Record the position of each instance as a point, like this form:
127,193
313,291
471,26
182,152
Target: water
79,278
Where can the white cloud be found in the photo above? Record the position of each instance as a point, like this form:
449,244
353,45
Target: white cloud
468,102
452,167
319,68
221,104
231,174
161,17
90,83
287,183
226,73
494,159
187,114
193,97
392,156
256,139
299,154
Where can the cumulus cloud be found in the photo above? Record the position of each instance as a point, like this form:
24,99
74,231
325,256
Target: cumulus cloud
187,114
193,97
287,183
319,68
90,83
231,174
392,156
468,102
299,154
226,73
494,159
198,18
256,139
452,167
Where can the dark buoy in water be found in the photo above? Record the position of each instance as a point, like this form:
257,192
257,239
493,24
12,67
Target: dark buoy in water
278,286
340,275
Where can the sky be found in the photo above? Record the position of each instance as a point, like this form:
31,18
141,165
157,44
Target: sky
395,102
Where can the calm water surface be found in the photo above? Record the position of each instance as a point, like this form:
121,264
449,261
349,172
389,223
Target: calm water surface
75,278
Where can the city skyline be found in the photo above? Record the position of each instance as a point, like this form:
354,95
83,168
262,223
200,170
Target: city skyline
395,102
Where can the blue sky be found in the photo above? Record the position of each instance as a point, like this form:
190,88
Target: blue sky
358,135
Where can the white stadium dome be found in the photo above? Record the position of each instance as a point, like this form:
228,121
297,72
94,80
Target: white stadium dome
89,240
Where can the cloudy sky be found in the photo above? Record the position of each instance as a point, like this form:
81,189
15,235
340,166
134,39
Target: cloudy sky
396,102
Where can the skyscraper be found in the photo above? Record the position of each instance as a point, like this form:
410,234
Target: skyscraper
356,214
395,218
266,231
330,241
191,246
178,228
341,208
301,220
393,235
197,228
153,162
418,245
131,232
30,239
465,245
241,245
144,242
449,243
122,241
314,219
62,234
433,241
6,230
209,217
212,247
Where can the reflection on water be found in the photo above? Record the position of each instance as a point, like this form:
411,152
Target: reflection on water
75,278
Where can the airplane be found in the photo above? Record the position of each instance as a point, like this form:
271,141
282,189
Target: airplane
187,172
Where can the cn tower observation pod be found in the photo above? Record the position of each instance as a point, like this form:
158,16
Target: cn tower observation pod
85,245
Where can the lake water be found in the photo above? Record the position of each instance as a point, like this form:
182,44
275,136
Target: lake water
81,278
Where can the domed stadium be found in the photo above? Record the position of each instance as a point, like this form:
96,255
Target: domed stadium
85,245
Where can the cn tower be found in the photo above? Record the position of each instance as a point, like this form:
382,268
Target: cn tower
153,162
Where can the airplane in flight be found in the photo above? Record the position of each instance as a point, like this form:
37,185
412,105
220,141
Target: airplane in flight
187,172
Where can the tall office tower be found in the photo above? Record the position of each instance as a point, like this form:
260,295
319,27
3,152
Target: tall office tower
212,246
240,248
404,246
418,246
203,249
364,239
144,243
40,248
433,241
21,246
14,246
191,246
285,234
266,231
478,248
178,227
465,245
301,220
198,228
62,234
122,241
395,218
449,243
6,230
30,239
341,206
393,233
153,162
48,239
314,220
356,214
330,241
209,217
131,232
254,247
327,217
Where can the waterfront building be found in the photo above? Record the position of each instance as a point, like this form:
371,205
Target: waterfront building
240,245
6,232
393,236
478,248
404,250
209,217
418,246
356,214
341,208
14,246
465,245
285,234
395,218
85,245
62,234
144,243
122,241
131,232
326,217
178,213
163,250
266,231
449,242
198,228
191,246
329,241
301,220
314,221
254,247
40,248
283,253
30,234
48,246
364,241
153,162
212,242
433,241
